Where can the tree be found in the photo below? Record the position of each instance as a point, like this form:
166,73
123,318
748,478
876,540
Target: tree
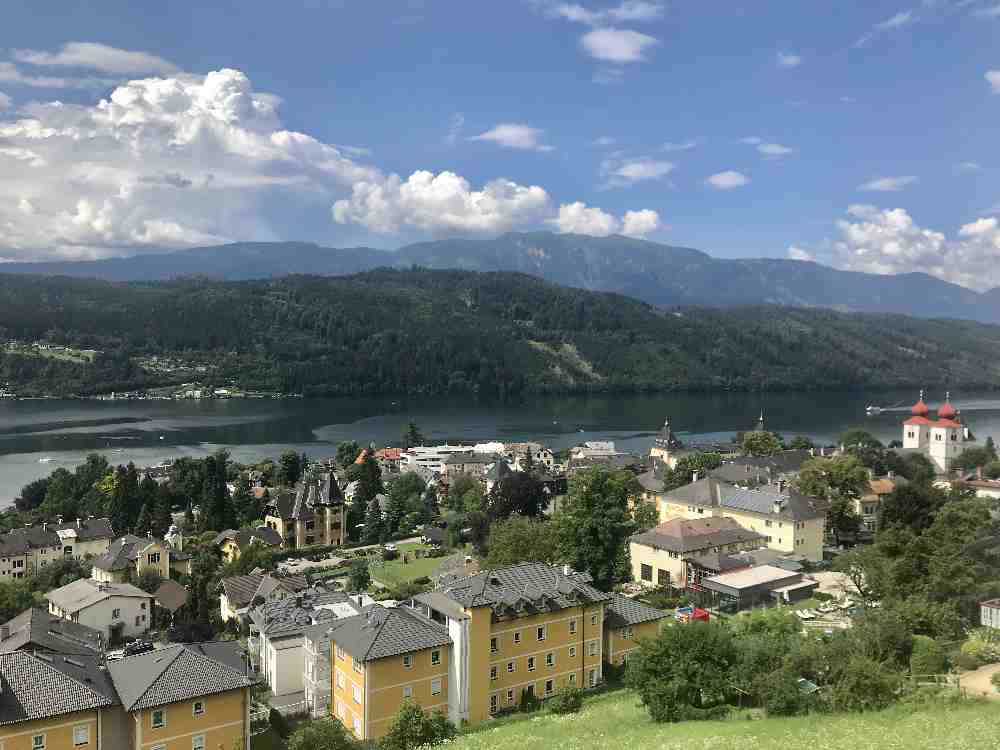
519,539
375,526
143,524
405,498
246,506
518,492
687,466
359,578
863,684
32,494
322,734
217,507
465,494
682,670
910,505
368,475
412,436
347,451
801,442
596,522
760,443
645,515
974,458
928,656
122,501
15,597
413,727
840,481
289,468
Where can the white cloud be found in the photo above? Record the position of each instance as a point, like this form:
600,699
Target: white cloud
789,60
5,101
993,78
887,184
617,45
622,173
630,10
728,180
94,56
752,140
455,124
605,140
640,223
968,166
10,73
680,146
898,21
514,135
579,218
637,10
884,241
774,150
798,253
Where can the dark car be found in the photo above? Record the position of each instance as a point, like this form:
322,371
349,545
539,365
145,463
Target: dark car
138,647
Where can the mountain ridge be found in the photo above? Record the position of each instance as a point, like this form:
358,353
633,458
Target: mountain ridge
660,274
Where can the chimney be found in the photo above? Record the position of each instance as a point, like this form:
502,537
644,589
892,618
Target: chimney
892,475
79,524
59,520
695,475
45,525
149,534
567,570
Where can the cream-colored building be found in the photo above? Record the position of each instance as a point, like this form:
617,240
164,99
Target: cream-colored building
789,521
942,440
129,556
25,550
312,515
116,610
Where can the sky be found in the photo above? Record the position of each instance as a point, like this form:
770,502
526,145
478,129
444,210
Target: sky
860,135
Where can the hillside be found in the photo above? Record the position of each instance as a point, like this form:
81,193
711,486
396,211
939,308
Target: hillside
420,331
616,720
652,272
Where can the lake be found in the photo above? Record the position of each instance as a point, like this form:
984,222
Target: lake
38,436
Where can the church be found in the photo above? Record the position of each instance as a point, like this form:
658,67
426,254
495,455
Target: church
941,439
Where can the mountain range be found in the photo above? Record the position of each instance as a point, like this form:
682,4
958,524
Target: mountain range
659,274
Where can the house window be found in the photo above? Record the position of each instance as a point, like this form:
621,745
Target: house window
357,726
407,691
198,742
340,652
592,678
159,719
531,663
153,558
592,648
356,692
81,736
142,606
550,687
137,620
494,703
435,657
593,619
646,572
540,632
511,667
627,633
340,679
662,577
517,637
550,659
116,614
572,627
767,523
572,652
494,645
357,665
38,742
198,708
510,696
408,661
436,686
493,673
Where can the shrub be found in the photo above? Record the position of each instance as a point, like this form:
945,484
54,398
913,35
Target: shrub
529,702
323,734
389,554
982,645
865,685
995,680
928,657
781,694
279,723
413,727
967,662
569,700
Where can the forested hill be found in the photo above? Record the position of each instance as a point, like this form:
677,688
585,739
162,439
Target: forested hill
394,331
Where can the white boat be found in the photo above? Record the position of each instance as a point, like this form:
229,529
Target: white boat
872,411
46,460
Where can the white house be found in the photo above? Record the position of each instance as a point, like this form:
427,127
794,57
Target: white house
431,457
117,610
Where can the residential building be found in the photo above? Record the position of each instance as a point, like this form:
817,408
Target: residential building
37,630
311,515
56,702
232,542
659,556
431,458
542,458
389,459
472,464
989,613
116,610
238,592
626,622
25,550
170,597
184,696
129,556
759,585
941,440
867,506
790,521
594,449
277,630
381,657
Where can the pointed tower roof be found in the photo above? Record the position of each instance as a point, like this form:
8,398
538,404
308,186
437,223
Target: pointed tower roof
920,409
946,410
666,438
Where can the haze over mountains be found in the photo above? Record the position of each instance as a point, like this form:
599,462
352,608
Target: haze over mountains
659,274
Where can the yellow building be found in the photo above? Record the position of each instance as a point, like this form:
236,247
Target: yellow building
312,515
130,556
232,542
25,550
381,658
626,623
789,521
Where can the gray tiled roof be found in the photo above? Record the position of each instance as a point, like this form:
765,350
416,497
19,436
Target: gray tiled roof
40,687
171,674
121,554
684,535
36,537
35,628
244,537
525,586
292,615
84,592
771,501
622,612
241,590
379,632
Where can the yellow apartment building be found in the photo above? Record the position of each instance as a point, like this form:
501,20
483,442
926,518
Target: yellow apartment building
626,623
232,542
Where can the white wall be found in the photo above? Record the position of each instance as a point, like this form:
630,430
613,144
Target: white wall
282,663
99,615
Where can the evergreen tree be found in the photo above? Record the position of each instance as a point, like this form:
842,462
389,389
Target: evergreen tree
375,529
143,523
412,436
189,520
217,506
247,508
161,520
347,452
368,475
528,465
290,468
118,502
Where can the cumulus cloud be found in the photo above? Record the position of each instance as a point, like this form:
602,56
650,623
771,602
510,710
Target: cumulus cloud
623,173
887,184
579,218
993,79
727,180
680,145
878,240
514,135
617,45
789,60
10,73
798,253
94,56
630,10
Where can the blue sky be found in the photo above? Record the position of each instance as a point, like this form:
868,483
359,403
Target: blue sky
861,135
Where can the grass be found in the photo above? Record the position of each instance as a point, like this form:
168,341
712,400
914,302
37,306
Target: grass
617,720
395,572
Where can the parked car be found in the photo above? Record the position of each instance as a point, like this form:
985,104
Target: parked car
138,647
390,547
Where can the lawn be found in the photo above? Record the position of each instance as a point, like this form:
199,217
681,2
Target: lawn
617,720
395,571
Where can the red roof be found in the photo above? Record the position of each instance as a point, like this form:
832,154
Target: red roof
920,409
931,422
947,411
389,454
918,420
946,423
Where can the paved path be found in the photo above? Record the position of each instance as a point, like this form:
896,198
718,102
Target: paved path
978,681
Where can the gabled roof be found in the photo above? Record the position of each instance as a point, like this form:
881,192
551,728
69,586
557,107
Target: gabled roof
35,628
684,535
292,615
622,612
171,596
171,674
42,686
85,592
524,588
51,534
241,590
124,552
244,537
379,632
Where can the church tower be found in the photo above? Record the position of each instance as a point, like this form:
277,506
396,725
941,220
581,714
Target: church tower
666,446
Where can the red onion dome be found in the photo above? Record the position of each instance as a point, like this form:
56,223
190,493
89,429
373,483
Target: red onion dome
920,409
946,410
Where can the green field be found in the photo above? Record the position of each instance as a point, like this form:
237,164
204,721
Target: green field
395,571
616,720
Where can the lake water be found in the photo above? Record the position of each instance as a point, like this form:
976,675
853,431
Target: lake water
38,436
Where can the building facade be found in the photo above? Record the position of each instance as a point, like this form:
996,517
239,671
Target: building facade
312,515
116,610
942,440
